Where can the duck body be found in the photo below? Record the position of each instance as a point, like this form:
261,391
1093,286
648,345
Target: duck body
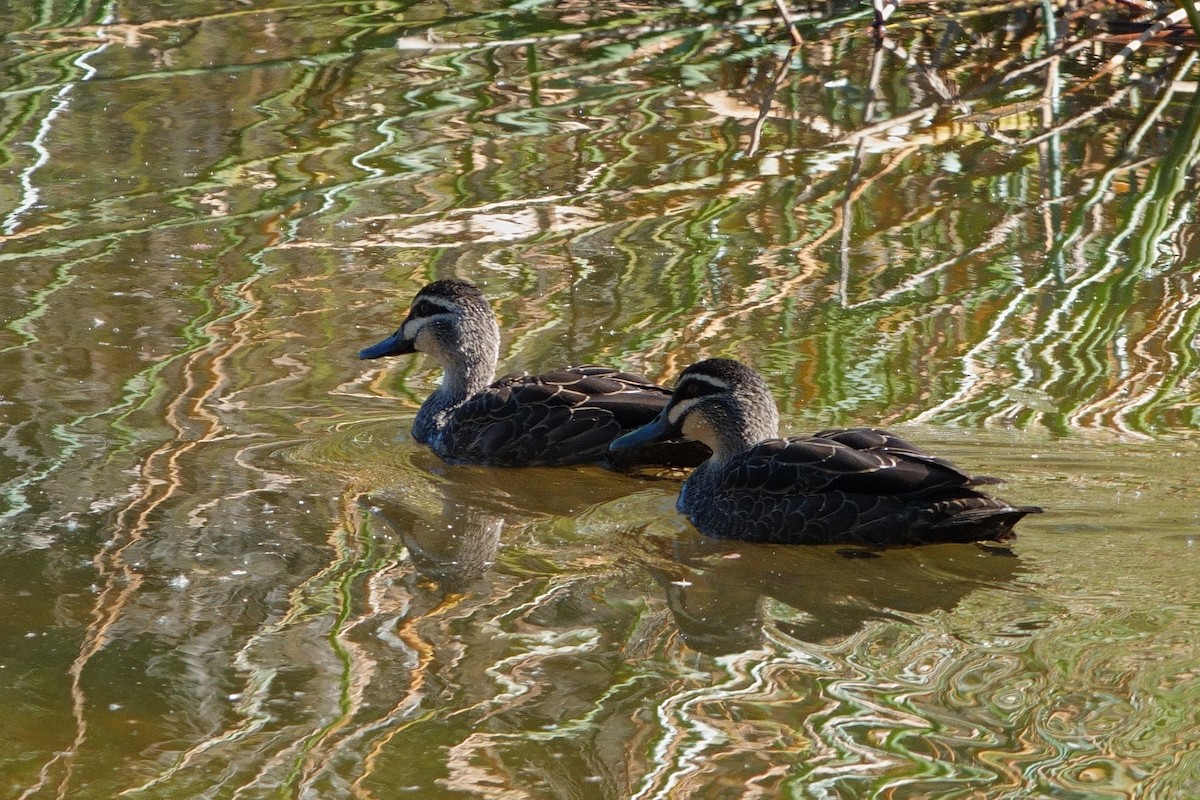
569,416
826,488
856,485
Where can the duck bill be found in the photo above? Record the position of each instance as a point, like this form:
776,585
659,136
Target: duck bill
394,345
658,430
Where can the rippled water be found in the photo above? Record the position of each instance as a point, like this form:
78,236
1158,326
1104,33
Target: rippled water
228,572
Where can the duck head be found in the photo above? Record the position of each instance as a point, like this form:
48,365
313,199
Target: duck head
451,321
720,402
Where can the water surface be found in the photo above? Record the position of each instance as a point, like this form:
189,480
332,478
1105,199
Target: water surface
229,572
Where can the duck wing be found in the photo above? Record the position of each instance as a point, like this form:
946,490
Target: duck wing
568,416
632,400
877,440
823,489
822,463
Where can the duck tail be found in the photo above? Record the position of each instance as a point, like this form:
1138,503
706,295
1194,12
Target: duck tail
985,480
976,519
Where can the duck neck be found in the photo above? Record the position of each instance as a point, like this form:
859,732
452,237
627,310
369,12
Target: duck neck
731,443
732,431
731,436
463,377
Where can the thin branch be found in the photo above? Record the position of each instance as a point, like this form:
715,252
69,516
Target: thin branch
1189,7
765,107
883,10
1114,99
793,31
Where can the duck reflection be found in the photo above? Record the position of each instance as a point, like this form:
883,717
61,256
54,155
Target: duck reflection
716,590
451,520
453,548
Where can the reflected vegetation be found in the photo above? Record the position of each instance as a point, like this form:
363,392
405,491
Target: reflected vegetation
228,572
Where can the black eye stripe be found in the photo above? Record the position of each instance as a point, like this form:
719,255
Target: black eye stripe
424,308
431,306
691,389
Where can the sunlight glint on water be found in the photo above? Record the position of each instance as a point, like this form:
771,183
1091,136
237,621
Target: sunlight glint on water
229,572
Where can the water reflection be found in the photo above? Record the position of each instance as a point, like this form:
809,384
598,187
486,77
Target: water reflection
716,591
975,226
452,549
450,519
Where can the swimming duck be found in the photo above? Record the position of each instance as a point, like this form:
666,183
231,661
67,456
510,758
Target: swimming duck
568,416
856,485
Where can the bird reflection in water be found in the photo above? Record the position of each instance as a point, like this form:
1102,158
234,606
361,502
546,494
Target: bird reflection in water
450,518
454,549
716,592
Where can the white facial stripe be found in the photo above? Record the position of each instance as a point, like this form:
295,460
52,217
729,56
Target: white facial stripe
708,379
413,326
440,302
679,409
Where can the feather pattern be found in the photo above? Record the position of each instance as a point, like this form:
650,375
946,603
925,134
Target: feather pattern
563,417
846,485
568,416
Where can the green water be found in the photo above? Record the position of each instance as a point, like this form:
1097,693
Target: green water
226,571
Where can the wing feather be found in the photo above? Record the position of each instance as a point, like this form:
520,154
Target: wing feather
565,416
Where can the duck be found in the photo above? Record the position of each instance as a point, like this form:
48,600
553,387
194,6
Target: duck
858,486
564,417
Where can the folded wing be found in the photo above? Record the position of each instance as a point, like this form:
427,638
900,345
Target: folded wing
566,416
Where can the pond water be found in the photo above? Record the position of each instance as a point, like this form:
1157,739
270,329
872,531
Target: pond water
227,571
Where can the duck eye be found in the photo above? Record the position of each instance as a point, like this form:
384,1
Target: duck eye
688,390
699,385
424,308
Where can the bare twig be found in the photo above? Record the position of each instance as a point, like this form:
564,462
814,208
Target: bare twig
793,31
1189,7
1114,99
883,10
765,107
